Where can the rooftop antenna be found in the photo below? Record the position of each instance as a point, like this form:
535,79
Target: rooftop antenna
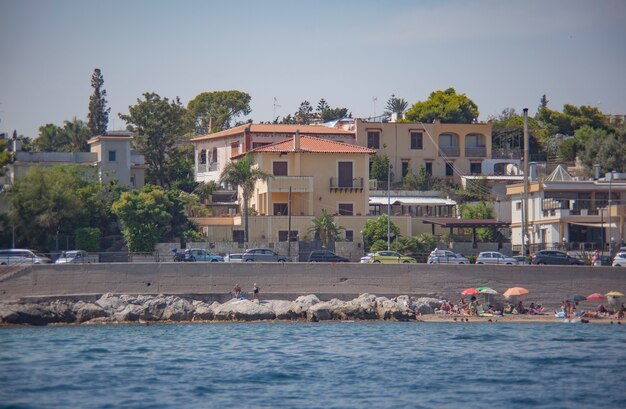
275,105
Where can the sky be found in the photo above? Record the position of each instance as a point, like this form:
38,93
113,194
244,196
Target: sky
354,54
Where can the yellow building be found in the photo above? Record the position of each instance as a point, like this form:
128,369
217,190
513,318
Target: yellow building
444,150
308,175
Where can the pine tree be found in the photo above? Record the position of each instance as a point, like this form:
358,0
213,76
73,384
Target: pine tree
98,113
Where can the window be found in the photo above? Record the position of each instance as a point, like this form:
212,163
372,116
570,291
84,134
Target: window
518,205
405,168
214,155
350,235
280,168
417,140
449,169
344,170
234,148
112,156
282,235
346,209
476,168
202,156
281,209
373,139
429,168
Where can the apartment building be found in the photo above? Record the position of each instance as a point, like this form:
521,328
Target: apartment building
444,150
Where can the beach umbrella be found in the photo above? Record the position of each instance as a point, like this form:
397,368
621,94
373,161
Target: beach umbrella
515,291
469,291
614,294
577,298
595,297
486,290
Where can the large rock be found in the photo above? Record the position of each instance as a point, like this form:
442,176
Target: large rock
203,311
243,310
288,310
324,311
391,310
427,305
177,309
87,311
37,314
362,308
111,302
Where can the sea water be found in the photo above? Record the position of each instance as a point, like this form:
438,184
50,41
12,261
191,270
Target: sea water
314,365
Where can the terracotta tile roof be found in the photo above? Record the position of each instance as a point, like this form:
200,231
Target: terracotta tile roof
310,144
276,128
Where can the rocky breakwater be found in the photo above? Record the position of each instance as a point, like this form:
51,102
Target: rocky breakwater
168,308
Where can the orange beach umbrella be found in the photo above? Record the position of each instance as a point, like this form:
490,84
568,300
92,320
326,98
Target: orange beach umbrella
515,291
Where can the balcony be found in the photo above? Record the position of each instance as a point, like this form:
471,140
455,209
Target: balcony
297,184
475,152
449,151
506,153
207,167
354,185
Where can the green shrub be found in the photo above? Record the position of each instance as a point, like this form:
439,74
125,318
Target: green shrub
88,239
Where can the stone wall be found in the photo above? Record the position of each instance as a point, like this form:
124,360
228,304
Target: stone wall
214,281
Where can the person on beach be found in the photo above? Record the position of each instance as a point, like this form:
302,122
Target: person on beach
621,312
236,291
255,293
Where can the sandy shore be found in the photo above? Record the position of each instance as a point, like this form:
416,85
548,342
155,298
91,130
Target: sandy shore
548,318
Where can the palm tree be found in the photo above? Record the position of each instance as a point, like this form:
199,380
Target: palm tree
396,105
241,173
325,227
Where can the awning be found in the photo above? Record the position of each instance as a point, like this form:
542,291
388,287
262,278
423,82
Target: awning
409,201
606,225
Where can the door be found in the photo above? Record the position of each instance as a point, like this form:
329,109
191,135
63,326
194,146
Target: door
345,177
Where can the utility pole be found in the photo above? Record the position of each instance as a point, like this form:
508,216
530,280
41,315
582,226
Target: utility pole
525,240
389,205
289,225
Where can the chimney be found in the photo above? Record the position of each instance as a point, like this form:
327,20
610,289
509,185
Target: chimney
211,124
296,141
246,139
596,168
532,172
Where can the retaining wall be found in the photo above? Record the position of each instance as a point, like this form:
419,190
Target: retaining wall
213,281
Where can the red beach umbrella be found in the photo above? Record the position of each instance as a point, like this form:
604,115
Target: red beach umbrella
596,297
469,291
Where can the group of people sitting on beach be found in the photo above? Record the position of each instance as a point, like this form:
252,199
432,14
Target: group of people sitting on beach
569,309
475,308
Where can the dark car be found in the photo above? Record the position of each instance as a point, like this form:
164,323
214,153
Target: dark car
555,257
325,256
267,255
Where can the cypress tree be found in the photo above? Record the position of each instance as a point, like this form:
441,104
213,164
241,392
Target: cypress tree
98,113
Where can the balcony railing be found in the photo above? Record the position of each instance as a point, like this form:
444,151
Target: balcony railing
295,183
475,151
506,154
336,183
207,167
449,151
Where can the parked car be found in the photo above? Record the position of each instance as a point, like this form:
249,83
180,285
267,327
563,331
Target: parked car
75,257
366,258
203,255
494,257
390,257
325,256
266,255
555,257
620,260
446,257
22,256
522,259
233,258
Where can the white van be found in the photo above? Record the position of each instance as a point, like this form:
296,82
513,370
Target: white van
22,256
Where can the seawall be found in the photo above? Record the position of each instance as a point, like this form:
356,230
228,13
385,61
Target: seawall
548,285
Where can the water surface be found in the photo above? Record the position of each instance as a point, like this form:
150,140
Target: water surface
295,365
